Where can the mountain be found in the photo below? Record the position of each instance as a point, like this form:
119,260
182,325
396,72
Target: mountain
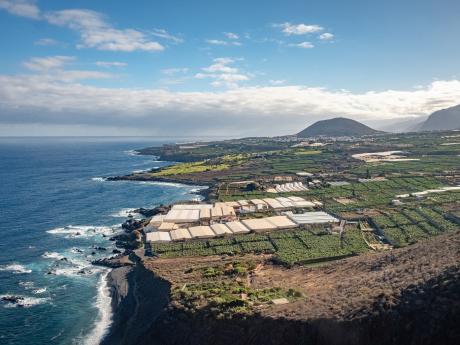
337,127
444,119
407,124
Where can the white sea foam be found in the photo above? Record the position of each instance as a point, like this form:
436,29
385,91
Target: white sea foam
24,301
104,318
39,291
27,285
99,179
125,212
52,255
131,152
15,268
81,231
168,184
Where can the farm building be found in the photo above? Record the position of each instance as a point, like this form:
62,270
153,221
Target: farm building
282,222
166,226
274,204
202,231
319,217
259,224
158,237
190,206
237,227
301,202
182,216
221,229
259,204
180,234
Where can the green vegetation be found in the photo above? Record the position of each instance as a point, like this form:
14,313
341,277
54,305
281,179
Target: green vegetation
290,247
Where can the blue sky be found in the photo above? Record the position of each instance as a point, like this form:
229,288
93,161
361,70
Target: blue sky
222,67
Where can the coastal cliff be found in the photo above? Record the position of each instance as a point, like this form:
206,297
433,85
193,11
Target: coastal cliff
412,298
138,298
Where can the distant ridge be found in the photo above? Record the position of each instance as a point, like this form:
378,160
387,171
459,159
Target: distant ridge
445,119
337,127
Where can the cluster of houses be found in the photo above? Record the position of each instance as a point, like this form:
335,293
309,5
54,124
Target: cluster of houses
201,221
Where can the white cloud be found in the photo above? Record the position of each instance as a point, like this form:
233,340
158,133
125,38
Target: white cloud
164,34
327,36
43,64
221,65
176,70
231,35
241,111
298,29
52,69
22,8
223,43
222,73
111,64
46,42
95,32
305,45
277,82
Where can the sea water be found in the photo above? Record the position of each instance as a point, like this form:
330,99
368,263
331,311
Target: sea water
55,208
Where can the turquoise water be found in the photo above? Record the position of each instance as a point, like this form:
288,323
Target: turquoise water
55,204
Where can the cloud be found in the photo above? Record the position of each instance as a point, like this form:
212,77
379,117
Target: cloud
298,29
223,43
222,73
95,32
46,42
305,45
176,70
164,34
43,64
231,35
52,69
111,64
269,110
277,82
22,8
327,36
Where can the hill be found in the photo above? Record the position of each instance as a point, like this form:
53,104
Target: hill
337,127
445,119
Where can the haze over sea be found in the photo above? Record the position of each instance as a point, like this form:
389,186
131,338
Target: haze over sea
55,204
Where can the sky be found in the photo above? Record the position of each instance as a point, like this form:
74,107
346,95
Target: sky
223,68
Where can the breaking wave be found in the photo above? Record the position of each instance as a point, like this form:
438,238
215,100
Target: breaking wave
15,301
15,268
104,318
71,231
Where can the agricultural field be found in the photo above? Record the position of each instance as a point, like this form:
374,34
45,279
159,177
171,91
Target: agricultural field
289,247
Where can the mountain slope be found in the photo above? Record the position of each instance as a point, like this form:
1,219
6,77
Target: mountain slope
444,119
336,127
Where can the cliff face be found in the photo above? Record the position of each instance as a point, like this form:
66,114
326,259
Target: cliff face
138,298
407,296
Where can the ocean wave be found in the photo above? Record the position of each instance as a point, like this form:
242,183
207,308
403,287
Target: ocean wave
168,184
15,268
52,255
124,213
72,231
99,179
131,152
15,301
26,284
39,291
104,319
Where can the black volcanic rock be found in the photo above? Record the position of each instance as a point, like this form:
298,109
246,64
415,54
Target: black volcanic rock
337,127
445,119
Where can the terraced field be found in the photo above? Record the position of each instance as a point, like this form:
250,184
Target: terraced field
289,247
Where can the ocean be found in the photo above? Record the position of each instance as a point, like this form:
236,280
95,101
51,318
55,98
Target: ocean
55,210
